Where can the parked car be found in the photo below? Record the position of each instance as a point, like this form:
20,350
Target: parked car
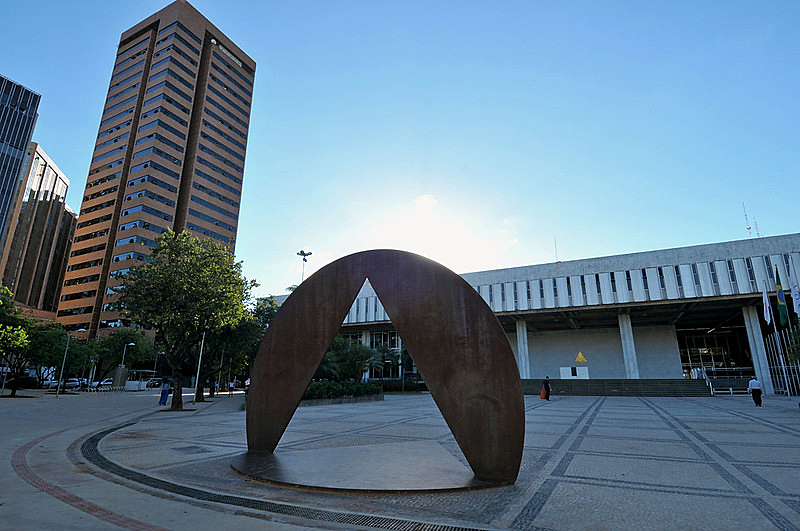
71,383
153,382
108,382
49,384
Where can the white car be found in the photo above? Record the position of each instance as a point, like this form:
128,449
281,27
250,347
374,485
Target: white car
108,382
71,383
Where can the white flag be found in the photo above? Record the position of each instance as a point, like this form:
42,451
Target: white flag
794,287
767,309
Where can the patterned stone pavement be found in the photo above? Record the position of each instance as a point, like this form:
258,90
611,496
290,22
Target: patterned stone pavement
589,463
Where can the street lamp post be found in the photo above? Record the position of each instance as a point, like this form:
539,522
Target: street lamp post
305,256
124,349
199,362
155,363
122,365
64,361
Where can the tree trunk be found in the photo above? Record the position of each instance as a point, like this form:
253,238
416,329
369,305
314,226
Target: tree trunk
177,394
198,389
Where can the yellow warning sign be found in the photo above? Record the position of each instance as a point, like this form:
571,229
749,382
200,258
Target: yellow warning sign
581,358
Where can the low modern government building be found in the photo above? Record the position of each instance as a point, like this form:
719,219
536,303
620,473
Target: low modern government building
651,315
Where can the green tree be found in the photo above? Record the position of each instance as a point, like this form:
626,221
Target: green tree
229,351
46,345
345,361
13,342
794,342
188,286
13,338
264,310
106,352
385,358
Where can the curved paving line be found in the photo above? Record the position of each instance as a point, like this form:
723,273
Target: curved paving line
20,466
89,450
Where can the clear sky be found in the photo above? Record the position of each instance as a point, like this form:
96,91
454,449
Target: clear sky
473,133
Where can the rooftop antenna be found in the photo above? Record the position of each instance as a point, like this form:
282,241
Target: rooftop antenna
555,246
747,221
755,223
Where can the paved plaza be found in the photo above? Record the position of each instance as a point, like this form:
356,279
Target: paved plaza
116,460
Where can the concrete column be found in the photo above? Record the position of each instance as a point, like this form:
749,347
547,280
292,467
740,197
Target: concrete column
628,348
758,353
523,357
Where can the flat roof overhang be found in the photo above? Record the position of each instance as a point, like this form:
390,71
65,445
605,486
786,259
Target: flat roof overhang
703,315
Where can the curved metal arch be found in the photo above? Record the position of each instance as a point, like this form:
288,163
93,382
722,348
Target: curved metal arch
453,337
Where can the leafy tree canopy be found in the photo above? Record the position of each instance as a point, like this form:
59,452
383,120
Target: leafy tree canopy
187,287
345,361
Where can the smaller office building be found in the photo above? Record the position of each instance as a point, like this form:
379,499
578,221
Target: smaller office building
41,227
651,315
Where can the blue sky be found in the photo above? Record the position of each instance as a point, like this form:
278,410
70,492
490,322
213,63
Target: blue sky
473,133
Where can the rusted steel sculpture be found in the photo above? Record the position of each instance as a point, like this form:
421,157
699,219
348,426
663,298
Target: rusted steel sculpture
456,342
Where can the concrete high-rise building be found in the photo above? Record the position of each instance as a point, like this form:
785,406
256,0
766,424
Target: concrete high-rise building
169,155
18,113
40,231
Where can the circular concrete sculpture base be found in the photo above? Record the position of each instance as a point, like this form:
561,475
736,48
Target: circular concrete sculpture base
417,466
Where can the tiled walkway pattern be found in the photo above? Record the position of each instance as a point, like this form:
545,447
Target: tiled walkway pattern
589,462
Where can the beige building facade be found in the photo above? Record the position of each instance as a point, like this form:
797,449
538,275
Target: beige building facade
169,155
40,230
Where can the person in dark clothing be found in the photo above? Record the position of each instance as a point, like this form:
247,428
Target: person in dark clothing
754,388
546,386
164,392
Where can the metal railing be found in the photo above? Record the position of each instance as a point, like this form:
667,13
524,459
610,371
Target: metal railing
785,373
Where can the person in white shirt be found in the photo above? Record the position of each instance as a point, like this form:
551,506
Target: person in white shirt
754,388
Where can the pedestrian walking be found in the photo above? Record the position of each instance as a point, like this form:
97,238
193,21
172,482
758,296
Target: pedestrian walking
754,388
164,392
546,388
230,388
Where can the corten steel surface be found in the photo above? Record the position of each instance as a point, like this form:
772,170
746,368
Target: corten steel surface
454,338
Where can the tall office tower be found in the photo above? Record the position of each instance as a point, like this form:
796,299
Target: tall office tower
40,231
169,155
18,107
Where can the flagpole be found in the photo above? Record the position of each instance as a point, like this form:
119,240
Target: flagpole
780,355
778,290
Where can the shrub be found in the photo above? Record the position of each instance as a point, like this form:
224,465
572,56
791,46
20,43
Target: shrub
328,389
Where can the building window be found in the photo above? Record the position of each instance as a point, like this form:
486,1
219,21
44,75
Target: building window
696,278
516,296
751,275
770,272
81,295
662,282
680,281
732,274
569,291
646,286
714,279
